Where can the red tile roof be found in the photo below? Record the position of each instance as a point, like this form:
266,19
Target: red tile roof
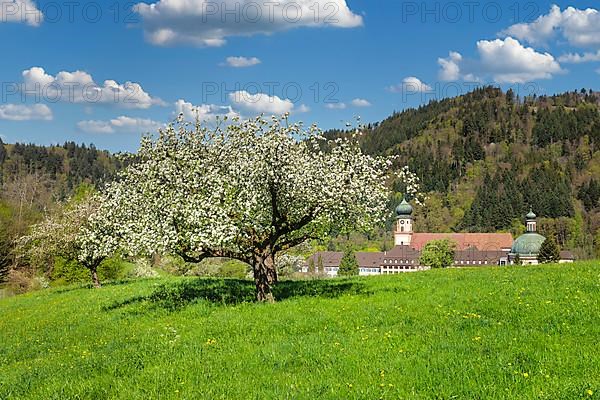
482,241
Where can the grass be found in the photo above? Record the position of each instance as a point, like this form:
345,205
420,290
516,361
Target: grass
494,333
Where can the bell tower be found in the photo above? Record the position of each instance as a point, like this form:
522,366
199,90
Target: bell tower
404,224
531,222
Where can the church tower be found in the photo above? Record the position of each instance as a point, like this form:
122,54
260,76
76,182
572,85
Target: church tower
404,224
531,222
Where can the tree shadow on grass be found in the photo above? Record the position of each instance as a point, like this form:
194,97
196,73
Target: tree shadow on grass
173,296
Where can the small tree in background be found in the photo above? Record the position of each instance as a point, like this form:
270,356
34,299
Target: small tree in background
320,268
65,234
311,266
517,260
348,265
549,251
287,265
438,254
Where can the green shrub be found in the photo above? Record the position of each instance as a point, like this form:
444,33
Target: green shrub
111,269
66,272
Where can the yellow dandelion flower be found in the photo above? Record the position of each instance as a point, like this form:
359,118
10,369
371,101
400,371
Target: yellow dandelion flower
525,375
589,392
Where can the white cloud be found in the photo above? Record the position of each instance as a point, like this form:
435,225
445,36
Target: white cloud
449,67
574,58
79,87
505,61
22,112
24,11
336,106
241,62
411,84
510,62
261,103
360,103
208,23
204,112
120,124
579,27
95,126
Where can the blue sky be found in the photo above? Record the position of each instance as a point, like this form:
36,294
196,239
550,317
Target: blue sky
353,57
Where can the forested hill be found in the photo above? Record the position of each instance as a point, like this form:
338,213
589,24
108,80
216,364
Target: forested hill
34,178
60,167
486,156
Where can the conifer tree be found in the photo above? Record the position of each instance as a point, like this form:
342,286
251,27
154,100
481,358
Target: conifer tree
348,265
549,251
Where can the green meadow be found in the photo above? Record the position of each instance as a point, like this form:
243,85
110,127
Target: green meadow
493,333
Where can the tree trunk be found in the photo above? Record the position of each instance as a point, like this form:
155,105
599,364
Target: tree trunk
263,277
94,272
271,270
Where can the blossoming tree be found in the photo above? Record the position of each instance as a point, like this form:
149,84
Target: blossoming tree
248,191
69,232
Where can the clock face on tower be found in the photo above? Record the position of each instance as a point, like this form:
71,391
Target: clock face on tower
402,222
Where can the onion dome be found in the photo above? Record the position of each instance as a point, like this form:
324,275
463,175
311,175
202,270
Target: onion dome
531,215
404,209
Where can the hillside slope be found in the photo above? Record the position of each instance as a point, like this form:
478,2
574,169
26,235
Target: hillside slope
485,157
497,333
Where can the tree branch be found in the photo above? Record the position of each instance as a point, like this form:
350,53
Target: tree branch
292,242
